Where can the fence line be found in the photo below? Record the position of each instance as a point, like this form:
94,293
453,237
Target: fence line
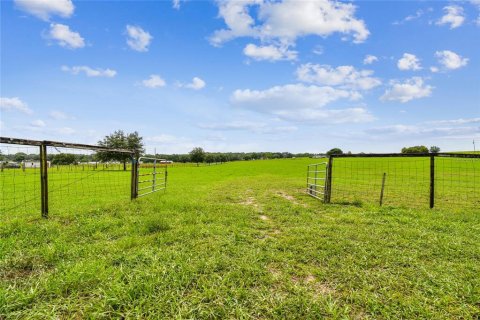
41,183
441,179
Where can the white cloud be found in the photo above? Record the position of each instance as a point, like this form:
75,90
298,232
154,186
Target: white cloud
176,4
418,14
343,76
14,104
44,9
90,72
318,50
196,84
434,69
252,126
138,39
450,60
455,121
298,102
409,62
155,81
454,16
59,115
65,37
38,123
285,21
269,52
413,88
369,59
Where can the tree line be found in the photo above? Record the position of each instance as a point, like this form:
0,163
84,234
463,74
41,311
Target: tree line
134,142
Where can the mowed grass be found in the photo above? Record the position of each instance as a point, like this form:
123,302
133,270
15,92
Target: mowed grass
239,240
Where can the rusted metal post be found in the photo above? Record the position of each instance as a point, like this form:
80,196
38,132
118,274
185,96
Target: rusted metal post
328,181
44,180
432,181
383,188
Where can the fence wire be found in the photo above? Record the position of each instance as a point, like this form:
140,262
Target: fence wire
77,185
19,179
84,183
406,181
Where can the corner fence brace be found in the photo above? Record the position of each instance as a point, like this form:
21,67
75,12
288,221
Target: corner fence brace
44,179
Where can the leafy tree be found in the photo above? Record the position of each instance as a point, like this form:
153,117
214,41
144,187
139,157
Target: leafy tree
64,158
20,156
415,149
209,158
434,149
197,155
334,151
120,140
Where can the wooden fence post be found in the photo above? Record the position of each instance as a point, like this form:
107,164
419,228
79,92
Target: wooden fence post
432,181
44,179
134,178
328,187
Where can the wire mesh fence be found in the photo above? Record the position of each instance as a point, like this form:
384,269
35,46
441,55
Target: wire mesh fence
52,176
81,183
19,178
440,180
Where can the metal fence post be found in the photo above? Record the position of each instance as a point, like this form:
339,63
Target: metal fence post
44,179
134,179
328,186
432,181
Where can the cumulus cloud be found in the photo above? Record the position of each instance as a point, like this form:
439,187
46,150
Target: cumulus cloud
343,76
14,104
454,16
65,37
154,81
282,22
413,88
44,9
298,102
138,39
90,72
409,62
196,84
450,60
369,59
269,52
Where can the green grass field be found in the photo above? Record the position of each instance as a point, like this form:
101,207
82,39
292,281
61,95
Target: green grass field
239,240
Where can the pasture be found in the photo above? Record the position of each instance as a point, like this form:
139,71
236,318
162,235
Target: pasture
238,240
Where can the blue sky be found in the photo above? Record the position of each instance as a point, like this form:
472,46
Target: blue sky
252,75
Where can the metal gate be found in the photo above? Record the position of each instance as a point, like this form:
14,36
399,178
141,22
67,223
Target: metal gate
151,175
317,180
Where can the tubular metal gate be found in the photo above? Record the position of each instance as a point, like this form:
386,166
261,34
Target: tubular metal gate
151,176
317,180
